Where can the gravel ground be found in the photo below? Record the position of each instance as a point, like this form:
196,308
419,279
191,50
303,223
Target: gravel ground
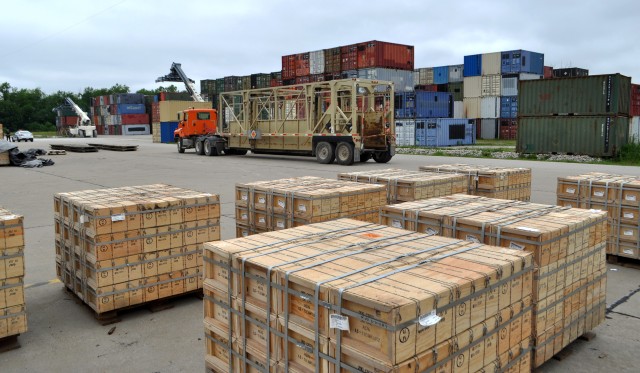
478,153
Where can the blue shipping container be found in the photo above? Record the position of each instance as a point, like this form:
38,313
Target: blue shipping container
509,107
521,61
405,105
433,104
441,75
439,132
131,109
473,65
166,131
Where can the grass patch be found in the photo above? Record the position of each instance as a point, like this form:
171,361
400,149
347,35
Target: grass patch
495,142
44,134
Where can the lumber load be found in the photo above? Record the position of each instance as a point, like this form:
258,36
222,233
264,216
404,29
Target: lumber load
13,316
346,295
568,246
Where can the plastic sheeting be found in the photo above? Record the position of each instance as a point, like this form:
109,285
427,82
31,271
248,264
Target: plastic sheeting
28,158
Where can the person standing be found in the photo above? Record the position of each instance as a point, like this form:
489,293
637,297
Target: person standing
7,134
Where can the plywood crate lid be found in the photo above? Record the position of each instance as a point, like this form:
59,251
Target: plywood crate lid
309,186
474,169
396,176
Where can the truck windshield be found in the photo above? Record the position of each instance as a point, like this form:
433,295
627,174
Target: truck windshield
204,116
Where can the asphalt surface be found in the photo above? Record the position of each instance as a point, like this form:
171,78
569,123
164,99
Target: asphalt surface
63,335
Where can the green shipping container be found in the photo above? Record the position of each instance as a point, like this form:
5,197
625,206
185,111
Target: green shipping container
593,136
588,95
456,90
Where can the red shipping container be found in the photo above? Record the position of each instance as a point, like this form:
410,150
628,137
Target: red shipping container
70,121
317,78
386,55
135,118
276,83
635,100
302,64
289,66
332,76
427,87
303,79
349,57
100,130
547,72
508,129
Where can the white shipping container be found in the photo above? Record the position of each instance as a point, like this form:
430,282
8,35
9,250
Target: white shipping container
424,76
405,132
491,85
634,130
456,73
491,63
471,107
458,109
135,129
528,76
510,86
472,86
488,129
316,62
490,107
403,80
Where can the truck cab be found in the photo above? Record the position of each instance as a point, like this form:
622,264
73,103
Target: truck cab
197,128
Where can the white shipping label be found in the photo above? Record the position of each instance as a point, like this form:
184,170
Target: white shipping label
119,217
630,197
476,178
628,251
396,224
571,190
595,210
81,219
516,246
302,208
244,197
245,233
339,322
280,224
598,193
261,220
429,319
528,229
281,204
431,232
472,238
628,215
261,200
628,232
244,216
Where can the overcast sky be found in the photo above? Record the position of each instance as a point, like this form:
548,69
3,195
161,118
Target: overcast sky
72,44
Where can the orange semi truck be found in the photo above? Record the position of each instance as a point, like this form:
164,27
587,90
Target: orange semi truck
345,121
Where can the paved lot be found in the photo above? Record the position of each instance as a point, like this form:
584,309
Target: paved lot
63,336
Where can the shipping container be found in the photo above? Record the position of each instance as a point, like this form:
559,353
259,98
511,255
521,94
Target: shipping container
634,106
509,107
508,129
246,82
289,66
596,136
456,73
570,72
385,55
521,61
129,98
349,57
472,107
427,87
169,109
405,132
260,81
548,72
129,109
458,109
473,65
316,62
441,75
349,74
590,95
332,60
491,85
220,85
433,104
135,119
472,86
634,130
403,80
488,129
303,79
442,87
136,129
405,105
510,83
491,63
276,79
332,76
456,90
424,76
490,107
444,132
166,131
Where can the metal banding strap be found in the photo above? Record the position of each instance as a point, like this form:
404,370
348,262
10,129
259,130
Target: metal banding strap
3,317
143,286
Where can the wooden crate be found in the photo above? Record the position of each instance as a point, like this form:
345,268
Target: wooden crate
121,247
490,181
280,204
348,289
4,159
568,246
618,195
403,186
13,317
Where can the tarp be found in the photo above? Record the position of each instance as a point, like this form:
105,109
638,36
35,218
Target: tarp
27,158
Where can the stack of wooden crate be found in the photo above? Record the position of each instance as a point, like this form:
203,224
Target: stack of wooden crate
346,295
493,182
266,206
403,185
618,195
121,247
13,317
568,245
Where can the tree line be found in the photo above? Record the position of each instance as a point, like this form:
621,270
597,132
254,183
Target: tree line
32,109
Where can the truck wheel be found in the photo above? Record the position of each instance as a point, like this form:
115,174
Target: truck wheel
383,157
209,149
344,154
365,157
200,147
325,152
180,147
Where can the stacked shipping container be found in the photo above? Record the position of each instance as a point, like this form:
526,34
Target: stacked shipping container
120,114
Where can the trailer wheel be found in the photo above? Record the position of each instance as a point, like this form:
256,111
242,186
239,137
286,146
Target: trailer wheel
209,149
325,152
180,147
344,154
365,157
200,147
382,157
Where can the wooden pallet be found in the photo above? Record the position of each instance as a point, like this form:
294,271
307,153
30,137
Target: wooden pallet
567,351
623,261
9,343
112,317
119,148
56,152
74,148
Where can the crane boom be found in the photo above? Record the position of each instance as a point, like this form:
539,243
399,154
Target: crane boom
84,118
177,75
